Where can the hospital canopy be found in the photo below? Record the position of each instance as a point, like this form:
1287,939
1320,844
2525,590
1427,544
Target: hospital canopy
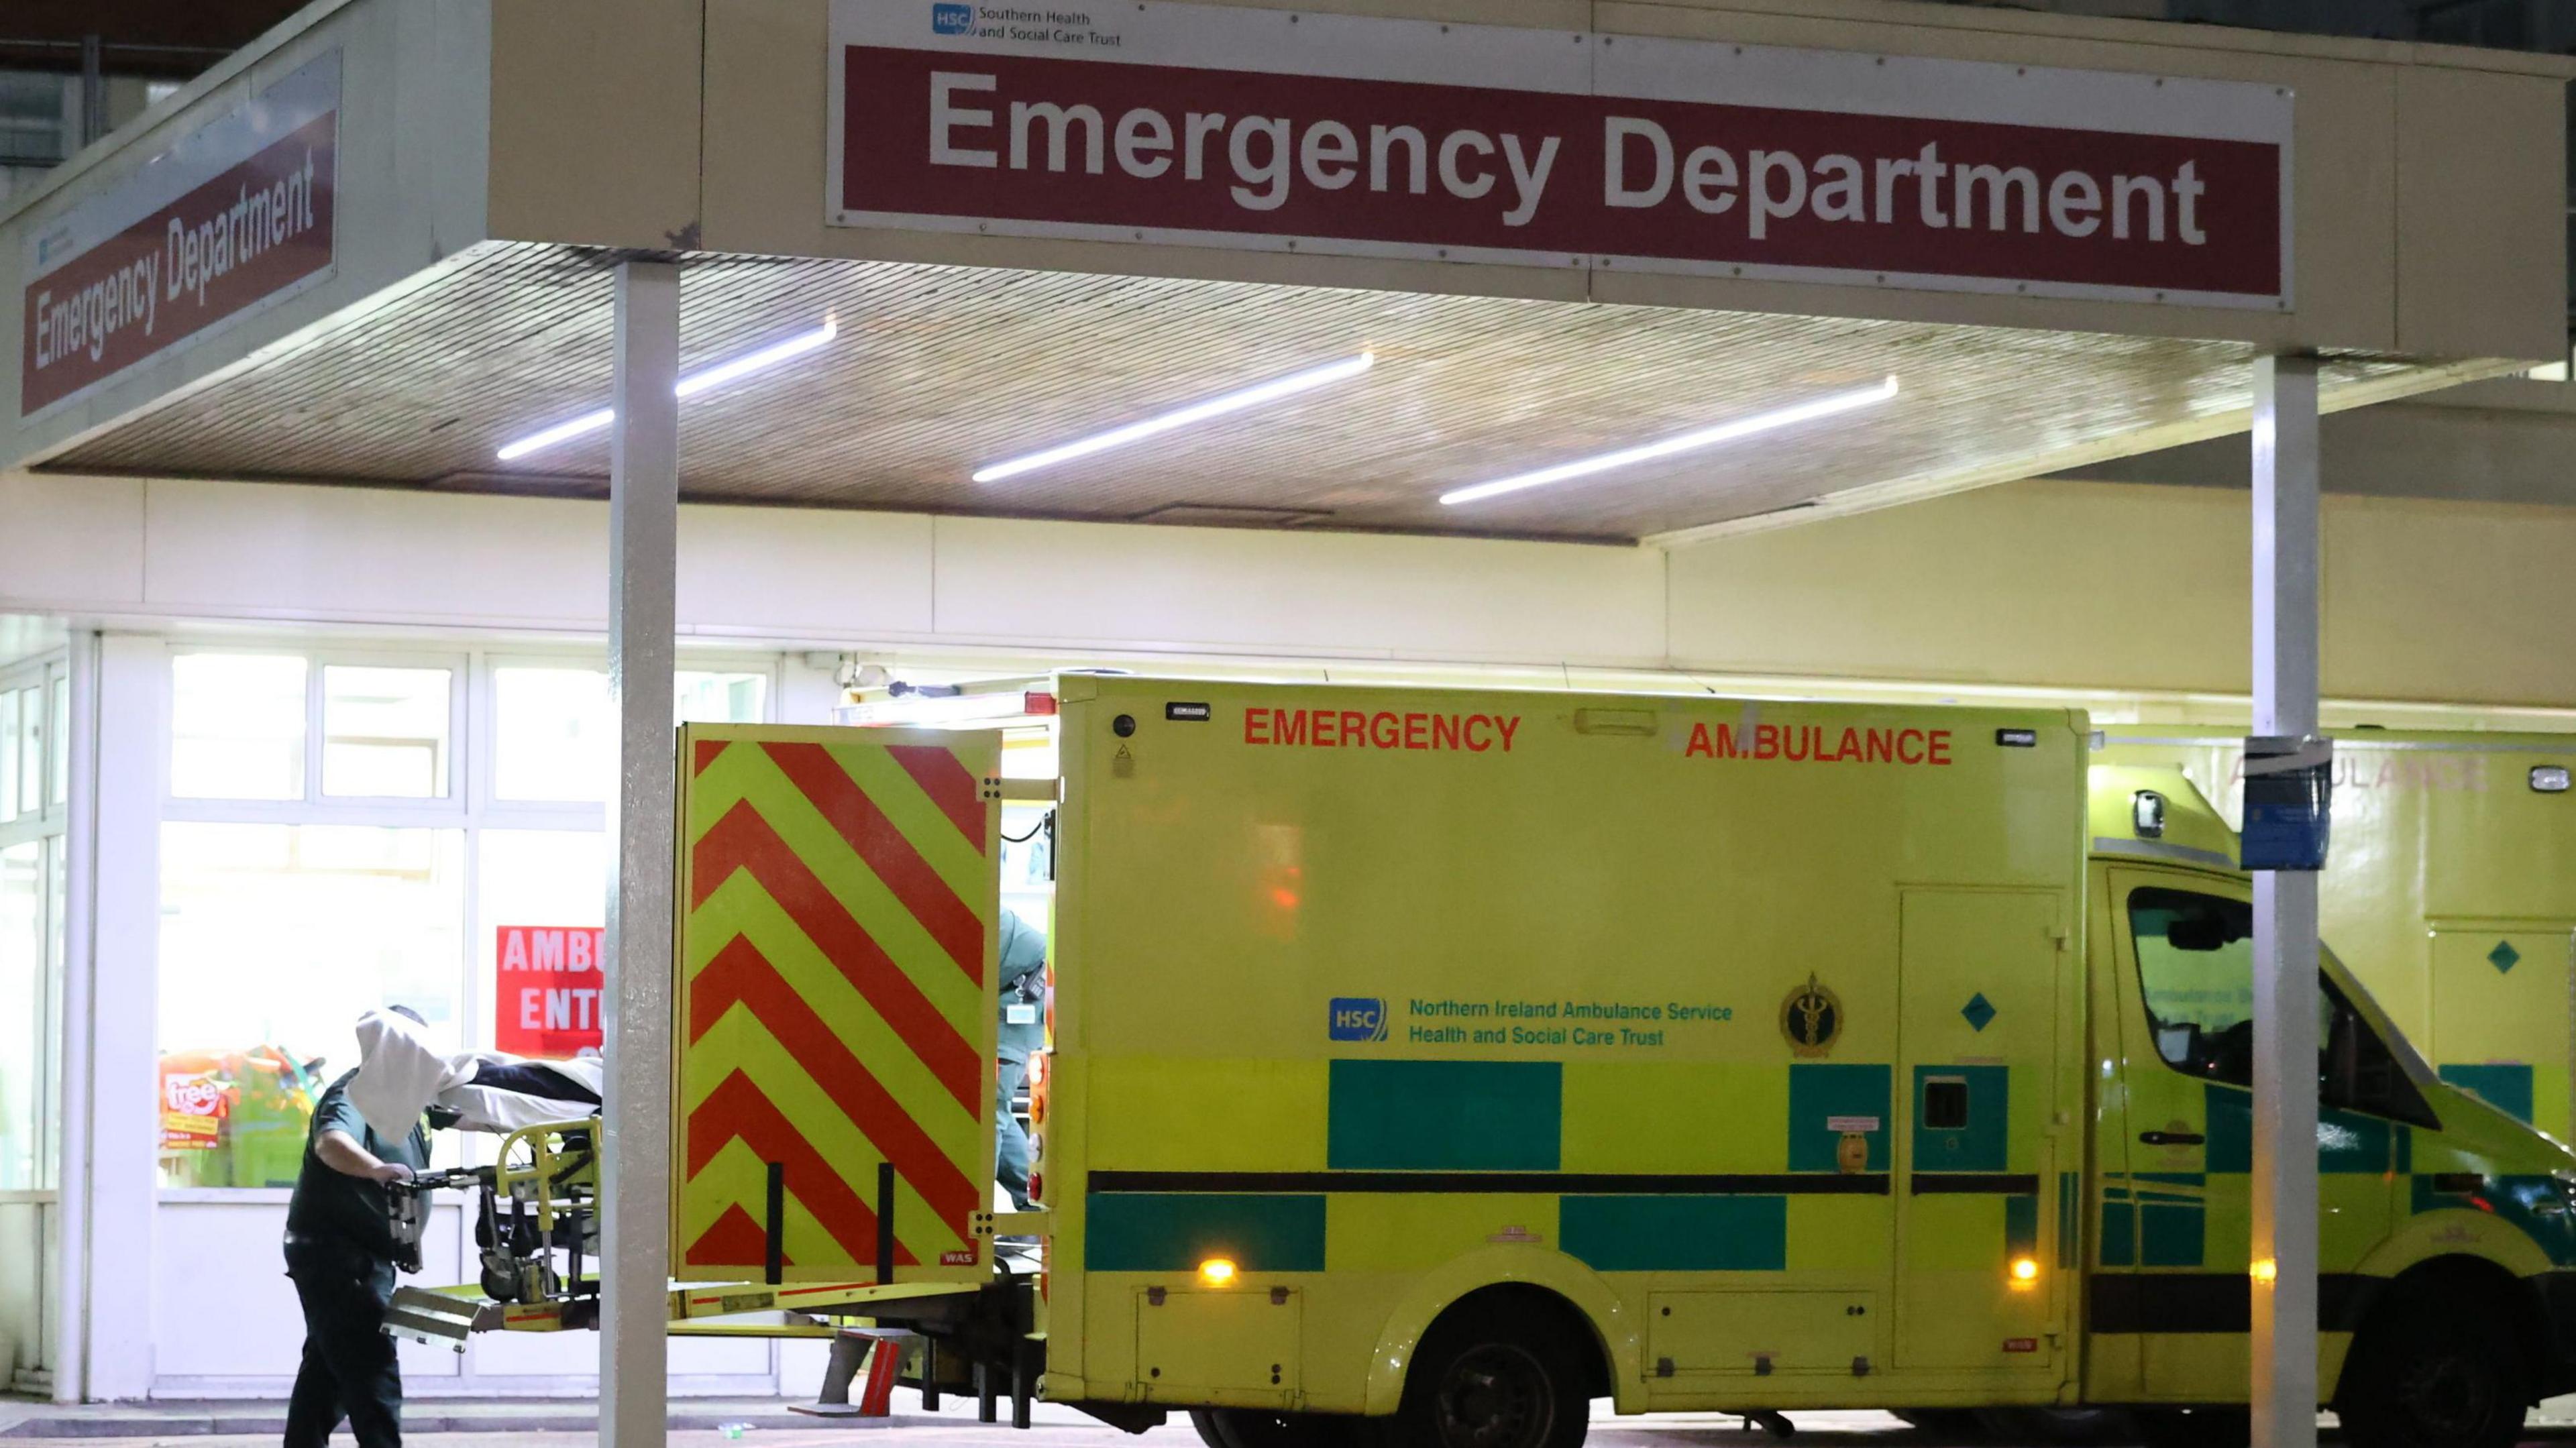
1877,251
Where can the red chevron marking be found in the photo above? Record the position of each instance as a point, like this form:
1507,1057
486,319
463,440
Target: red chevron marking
742,840
950,785
740,973
738,1109
734,1241
919,888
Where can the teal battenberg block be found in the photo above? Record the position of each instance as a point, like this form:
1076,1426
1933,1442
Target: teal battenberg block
1676,1233
1176,1231
1445,1116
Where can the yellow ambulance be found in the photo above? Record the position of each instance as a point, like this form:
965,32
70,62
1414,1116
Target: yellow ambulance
1428,1064
2450,890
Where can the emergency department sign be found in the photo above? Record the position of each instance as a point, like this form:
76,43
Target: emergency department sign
1252,128
232,217
839,896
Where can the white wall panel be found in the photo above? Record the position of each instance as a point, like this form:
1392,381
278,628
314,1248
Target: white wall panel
1297,593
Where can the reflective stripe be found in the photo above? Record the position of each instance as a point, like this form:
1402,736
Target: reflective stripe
2160,850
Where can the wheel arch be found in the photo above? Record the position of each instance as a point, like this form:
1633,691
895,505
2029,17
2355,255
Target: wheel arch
2454,1273
1559,1284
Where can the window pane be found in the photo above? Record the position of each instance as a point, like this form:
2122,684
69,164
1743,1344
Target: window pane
60,737
22,1015
8,754
237,726
535,887
384,732
274,938
553,733
2196,970
719,698
31,749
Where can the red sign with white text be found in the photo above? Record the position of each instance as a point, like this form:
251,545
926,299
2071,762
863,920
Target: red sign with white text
1229,127
144,265
547,1001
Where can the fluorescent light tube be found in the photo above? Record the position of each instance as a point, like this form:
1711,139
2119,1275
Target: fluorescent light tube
1678,443
689,386
1200,411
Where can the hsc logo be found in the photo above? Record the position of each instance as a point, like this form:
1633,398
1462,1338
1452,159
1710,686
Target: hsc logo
952,19
1358,1018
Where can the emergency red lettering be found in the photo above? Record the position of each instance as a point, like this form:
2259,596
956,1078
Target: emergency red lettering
1850,747
1325,722
1940,746
1385,732
1882,746
1766,741
1414,727
1508,726
1288,726
1699,745
1256,725
1795,748
1909,747
1444,731
1420,731
1468,731
1354,728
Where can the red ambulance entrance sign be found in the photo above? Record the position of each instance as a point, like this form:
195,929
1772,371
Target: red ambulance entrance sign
1222,126
549,982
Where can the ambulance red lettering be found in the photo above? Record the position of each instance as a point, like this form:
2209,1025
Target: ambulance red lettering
1351,729
1816,744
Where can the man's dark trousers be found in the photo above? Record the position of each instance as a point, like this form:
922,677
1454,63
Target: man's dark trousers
349,1369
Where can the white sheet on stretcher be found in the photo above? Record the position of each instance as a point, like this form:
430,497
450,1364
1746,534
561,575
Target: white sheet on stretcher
400,1077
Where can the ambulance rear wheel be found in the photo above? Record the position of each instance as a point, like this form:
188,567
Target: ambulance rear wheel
2436,1368
1496,1375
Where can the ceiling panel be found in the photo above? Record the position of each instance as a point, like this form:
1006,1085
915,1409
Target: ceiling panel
940,369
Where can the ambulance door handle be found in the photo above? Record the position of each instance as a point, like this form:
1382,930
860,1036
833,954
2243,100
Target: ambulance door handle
2172,1138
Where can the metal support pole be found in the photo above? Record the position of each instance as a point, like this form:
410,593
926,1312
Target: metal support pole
2285,917
643,562
93,90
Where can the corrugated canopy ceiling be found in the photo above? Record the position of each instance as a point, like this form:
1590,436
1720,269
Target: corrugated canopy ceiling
938,370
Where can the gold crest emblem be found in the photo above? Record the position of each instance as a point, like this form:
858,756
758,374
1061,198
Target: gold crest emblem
1812,1019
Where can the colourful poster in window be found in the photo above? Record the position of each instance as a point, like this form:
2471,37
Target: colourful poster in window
549,983
193,1103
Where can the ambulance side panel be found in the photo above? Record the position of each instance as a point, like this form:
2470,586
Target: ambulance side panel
2450,891
1739,1029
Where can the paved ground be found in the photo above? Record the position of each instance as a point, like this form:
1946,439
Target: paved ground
765,1424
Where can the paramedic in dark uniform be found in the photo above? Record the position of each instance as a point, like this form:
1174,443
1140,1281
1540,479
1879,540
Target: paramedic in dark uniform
340,1251
1023,973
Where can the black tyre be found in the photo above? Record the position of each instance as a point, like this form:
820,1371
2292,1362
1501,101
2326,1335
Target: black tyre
2056,1425
2195,1427
2436,1367
1495,1374
1248,1428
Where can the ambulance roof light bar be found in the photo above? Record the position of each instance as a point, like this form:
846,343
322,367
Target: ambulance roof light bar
1199,411
689,386
1678,443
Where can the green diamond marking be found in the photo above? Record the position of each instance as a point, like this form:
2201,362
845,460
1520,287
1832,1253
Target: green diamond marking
1978,1010
2504,957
